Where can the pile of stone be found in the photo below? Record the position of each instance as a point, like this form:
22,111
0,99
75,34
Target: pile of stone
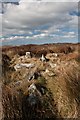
52,65
43,58
21,65
28,55
34,95
33,75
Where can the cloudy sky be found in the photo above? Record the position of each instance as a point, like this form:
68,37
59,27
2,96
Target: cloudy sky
38,21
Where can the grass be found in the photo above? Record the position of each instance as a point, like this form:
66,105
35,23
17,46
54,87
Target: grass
62,91
66,92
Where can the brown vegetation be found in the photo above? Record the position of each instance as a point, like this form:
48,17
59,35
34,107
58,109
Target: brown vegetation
60,96
37,50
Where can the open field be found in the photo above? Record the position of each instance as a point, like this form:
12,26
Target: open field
41,81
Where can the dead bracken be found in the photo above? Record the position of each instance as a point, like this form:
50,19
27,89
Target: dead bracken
42,82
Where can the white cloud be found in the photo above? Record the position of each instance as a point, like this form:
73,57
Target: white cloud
28,15
44,18
50,0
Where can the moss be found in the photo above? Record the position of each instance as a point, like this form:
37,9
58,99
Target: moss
42,80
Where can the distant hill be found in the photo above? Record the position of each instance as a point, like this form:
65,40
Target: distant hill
39,49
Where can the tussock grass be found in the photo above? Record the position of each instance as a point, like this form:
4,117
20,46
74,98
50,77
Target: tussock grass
66,92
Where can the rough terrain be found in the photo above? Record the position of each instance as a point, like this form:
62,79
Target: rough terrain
41,81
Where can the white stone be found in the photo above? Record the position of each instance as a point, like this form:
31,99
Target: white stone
43,58
46,70
28,55
18,66
32,87
55,54
52,65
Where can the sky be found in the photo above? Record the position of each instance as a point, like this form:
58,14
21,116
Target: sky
38,21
